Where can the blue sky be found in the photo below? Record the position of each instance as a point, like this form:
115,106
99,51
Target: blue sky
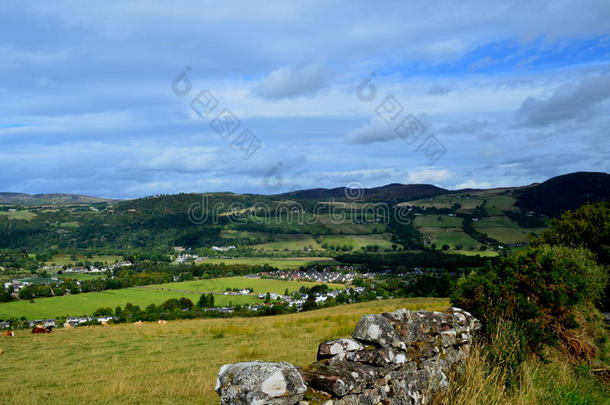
509,95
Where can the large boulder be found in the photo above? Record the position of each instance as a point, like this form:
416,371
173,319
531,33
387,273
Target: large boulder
258,383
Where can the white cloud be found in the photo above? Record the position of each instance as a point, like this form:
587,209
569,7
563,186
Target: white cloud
293,81
473,184
374,131
568,101
434,176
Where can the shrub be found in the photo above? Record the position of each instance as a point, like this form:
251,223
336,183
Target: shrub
537,289
587,227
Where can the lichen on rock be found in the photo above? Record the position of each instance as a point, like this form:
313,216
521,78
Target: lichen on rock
400,357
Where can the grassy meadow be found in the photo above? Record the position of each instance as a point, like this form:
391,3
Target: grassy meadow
176,363
64,259
23,215
87,303
504,229
287,263
258,285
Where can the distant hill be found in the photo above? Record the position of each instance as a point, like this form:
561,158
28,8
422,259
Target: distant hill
567,192
394,191
28,199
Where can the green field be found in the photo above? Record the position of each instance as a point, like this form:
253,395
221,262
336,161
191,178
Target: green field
64,259
247,235
496,204
450,236
281,263
349,227
495,201
445,201
23,215
289,242
258,285
384,241
503,229
293,222
176,363
86,304
437,221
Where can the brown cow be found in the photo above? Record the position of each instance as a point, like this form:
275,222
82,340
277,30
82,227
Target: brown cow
1,351
67,325
8,333
40,329
138,323
104,323
162,322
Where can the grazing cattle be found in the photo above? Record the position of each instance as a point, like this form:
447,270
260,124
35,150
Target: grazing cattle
138,323
8,333
40,329
104,323
1,352
67,326
162,322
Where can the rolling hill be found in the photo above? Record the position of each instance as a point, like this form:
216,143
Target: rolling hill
389,192
40,199
567,192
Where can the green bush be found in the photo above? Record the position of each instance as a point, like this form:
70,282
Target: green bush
537,289
587,227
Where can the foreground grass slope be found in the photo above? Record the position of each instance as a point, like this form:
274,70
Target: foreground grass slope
175,363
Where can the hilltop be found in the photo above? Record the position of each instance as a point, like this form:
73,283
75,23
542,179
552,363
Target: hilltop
567,192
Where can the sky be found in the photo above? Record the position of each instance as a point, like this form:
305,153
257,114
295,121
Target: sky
135,98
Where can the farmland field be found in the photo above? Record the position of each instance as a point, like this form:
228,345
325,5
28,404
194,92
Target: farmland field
258,285
23,215
87,303
176,363
495,201
503,229
384,241
497,204
290,242
62,259
349,227
293,222
437,221
450,236
281,263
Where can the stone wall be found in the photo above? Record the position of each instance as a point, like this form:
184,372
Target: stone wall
401,357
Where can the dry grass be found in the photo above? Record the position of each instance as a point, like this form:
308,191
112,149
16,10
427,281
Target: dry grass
553,381
176,363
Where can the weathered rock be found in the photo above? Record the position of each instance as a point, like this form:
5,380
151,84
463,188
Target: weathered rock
400,357
383,357
259,383
336,347
339,378
375,329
